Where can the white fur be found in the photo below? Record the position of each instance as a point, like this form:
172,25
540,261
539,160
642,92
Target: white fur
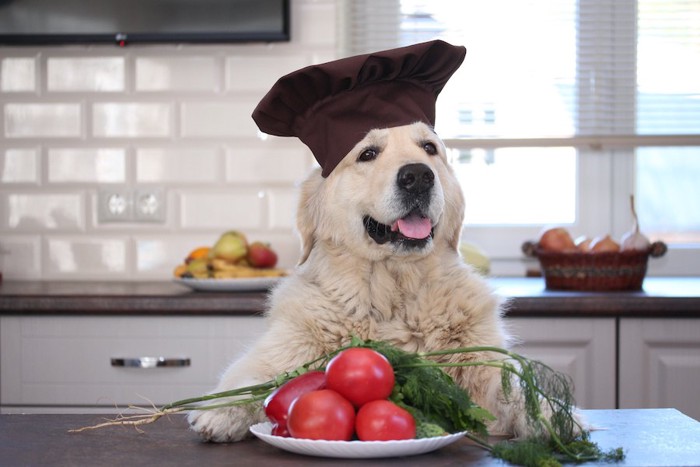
347,284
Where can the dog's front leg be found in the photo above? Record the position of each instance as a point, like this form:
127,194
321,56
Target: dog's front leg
229,424
262,363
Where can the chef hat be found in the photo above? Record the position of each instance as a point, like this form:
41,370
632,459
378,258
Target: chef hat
331,107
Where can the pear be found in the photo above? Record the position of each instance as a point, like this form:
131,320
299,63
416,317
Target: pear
231,246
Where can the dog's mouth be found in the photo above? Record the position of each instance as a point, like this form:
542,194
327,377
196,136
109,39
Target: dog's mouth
413,230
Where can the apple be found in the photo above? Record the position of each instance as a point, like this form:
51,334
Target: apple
260,255
603,244
231,246
557,239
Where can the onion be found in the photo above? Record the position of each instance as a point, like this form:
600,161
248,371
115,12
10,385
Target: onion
634,239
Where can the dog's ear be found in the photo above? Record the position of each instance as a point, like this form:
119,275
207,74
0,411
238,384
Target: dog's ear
308,213
455,211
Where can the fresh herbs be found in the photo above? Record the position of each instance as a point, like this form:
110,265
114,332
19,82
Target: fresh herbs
440,405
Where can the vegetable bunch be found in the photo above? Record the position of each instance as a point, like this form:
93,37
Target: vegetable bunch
436,403
351,398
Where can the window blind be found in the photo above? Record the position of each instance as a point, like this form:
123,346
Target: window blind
600,73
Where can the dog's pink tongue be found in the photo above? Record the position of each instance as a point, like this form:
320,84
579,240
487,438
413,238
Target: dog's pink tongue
413,226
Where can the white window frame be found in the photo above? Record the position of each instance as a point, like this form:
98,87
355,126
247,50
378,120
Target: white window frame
606,163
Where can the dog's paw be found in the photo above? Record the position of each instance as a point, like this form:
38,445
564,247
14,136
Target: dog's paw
223,425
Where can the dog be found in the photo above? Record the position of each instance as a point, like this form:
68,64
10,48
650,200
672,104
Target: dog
380,261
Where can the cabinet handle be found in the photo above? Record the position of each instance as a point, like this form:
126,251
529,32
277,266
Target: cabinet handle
150,362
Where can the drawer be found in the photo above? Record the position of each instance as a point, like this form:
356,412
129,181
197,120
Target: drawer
58,361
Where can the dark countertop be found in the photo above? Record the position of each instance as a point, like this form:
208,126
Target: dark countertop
660,297
649,437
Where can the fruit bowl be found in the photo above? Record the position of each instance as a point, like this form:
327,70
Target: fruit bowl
587,271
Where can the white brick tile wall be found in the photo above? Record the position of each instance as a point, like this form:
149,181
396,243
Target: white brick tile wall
19,165
28,120
268,163
18,74
34,212
20,256
260,73
132,120
175,118
218,119
86,165
85,257
239,209
181,165
96,74
178,74
282,208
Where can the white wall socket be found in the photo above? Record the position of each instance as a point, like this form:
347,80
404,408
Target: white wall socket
149,205
122,204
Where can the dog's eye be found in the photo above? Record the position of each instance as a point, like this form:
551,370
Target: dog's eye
430,148
369,154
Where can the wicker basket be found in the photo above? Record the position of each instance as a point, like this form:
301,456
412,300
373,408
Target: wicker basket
594,271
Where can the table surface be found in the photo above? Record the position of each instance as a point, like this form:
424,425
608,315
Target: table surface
649,437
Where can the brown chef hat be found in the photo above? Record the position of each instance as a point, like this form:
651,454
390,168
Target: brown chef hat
332,106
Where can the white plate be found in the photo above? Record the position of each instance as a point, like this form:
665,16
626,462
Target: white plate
353,449
247,284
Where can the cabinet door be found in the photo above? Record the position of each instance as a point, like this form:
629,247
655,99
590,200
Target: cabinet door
583,348
660,364
67,361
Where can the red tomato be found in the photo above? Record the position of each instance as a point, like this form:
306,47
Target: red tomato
360,375
322,414
280,430
277,404
382,420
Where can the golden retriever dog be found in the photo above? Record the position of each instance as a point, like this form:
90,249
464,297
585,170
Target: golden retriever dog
380,260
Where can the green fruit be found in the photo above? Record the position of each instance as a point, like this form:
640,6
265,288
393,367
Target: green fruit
198,268
231,246
476,257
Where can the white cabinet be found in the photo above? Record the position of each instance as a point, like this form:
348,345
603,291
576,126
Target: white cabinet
660,364
583,348
66,361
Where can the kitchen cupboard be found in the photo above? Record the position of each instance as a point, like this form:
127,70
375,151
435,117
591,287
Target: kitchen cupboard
65,363
583,348
660,364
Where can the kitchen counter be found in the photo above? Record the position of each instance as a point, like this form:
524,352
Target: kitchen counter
660,297
649,437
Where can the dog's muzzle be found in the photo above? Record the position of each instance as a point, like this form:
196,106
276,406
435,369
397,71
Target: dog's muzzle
415,229
382,233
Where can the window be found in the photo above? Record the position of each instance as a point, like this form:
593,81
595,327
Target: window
561,110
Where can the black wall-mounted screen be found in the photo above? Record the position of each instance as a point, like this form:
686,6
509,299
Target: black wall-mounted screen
28,22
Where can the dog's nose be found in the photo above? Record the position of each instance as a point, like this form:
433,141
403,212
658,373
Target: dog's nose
415,178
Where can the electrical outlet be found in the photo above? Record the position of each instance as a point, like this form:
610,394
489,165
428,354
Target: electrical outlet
122,204
114,205
149,205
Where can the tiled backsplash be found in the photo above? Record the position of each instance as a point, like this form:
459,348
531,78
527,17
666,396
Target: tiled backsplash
78,119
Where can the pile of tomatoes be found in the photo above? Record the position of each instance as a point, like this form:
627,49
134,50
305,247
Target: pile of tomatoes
349,399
